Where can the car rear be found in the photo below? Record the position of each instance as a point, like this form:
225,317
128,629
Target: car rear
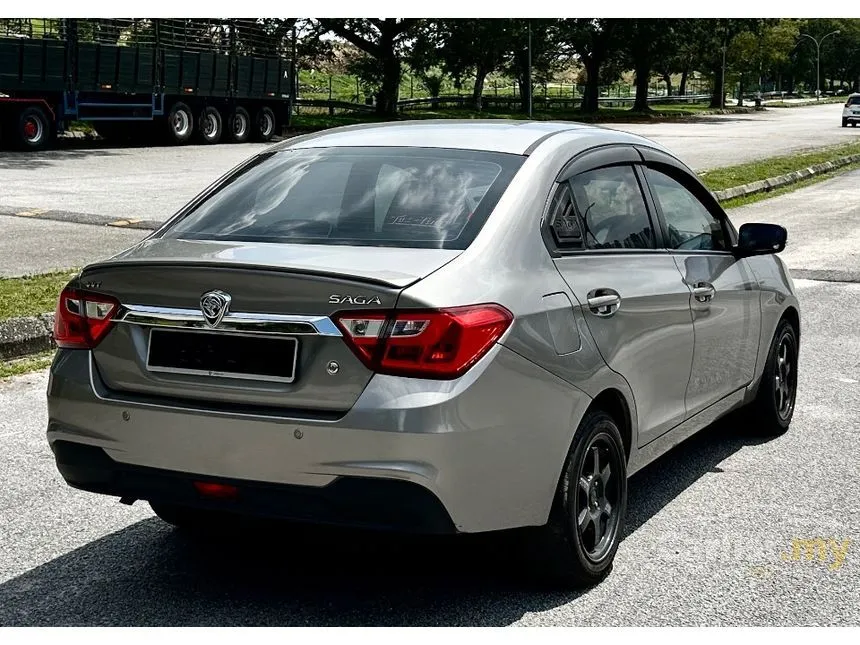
851,110
257,354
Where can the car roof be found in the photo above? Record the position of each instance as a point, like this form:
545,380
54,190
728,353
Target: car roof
490,135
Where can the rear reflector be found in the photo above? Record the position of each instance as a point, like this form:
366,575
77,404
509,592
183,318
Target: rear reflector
437,344
219,491
82,319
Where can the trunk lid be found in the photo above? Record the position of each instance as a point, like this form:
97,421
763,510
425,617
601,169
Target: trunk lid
281,298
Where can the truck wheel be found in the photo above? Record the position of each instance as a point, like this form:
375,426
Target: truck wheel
209,125
180,123
264,124
237,128
34,129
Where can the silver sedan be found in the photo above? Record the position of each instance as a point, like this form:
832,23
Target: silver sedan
442,327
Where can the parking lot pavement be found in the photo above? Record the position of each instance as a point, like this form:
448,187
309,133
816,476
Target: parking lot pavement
153,183
709,539
31,246
823,223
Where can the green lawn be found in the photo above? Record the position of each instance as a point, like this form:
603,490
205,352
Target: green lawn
24,365
730,176
31,295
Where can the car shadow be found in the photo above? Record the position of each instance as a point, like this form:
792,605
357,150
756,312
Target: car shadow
148,574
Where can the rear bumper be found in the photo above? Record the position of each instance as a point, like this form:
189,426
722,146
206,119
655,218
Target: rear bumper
486,449
851,118
350,501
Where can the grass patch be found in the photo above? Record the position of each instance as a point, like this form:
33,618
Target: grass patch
31,295
730,176
28,364
752,199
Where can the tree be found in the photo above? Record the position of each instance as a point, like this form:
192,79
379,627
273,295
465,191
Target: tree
645,41
384,41
463,47
594,42
756,53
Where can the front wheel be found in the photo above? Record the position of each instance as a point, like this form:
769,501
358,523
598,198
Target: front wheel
844,123
34,129
771,412
577,546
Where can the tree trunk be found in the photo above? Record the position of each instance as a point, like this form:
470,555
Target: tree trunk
643,75
386,104
741,90
682,88
591,93
717,89
667,79
478,92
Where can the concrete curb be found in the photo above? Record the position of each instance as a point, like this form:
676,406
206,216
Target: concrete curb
27,335
32,334
771,183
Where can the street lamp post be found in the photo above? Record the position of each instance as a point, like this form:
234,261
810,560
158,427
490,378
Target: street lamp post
818,60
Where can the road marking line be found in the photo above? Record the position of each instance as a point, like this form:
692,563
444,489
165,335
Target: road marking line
120,222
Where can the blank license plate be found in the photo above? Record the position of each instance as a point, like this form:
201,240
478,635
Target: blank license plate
222,355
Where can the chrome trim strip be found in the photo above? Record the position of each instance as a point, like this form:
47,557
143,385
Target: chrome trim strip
211,373
292,325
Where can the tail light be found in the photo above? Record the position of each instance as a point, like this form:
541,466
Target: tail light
438,344
82,319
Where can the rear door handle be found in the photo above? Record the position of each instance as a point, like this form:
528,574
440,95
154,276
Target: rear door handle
704,291
603,302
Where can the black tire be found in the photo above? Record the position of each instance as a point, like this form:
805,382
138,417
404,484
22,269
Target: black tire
180,123
263,128
210,126
771,412
33,129
844,123
577,546
237,127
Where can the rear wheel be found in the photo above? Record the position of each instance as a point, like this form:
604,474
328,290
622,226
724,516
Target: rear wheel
577,546
264,124
237,128
33,129
209,125
771,412
844,123
180,123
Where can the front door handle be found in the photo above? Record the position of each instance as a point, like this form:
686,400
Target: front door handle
603,302
704,291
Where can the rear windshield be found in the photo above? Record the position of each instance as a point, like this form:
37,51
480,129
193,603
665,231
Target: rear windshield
404,197
854,100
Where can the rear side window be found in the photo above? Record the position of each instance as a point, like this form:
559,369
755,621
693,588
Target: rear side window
854,100
406,197
612,209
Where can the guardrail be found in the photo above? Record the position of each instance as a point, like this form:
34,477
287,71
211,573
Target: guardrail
488,101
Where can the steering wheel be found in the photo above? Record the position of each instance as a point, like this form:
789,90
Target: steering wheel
605,229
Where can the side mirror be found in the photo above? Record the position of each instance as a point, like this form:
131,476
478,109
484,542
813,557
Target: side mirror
760,239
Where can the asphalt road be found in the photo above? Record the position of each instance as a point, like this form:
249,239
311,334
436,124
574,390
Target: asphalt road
153,183
708,539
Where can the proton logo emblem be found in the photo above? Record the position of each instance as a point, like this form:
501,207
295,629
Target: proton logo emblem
214,305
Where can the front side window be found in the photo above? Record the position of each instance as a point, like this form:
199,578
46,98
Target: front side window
612,209
691,226
405,197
